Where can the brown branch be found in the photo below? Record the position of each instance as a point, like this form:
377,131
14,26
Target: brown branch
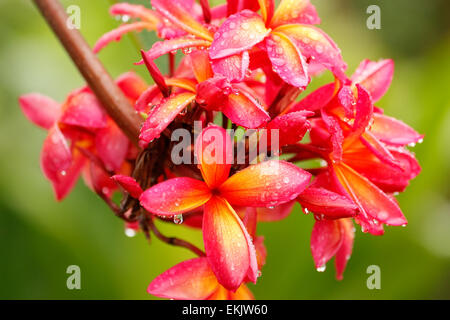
115,103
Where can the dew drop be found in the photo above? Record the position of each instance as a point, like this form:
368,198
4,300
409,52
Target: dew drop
130,233
321,268
178,219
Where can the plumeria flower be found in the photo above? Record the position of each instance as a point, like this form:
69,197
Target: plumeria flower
81,137
202,283
236,101
285,34
228,245
149,20
194,280
364,166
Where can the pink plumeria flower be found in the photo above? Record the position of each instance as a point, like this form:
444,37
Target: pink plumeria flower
292,44
228,245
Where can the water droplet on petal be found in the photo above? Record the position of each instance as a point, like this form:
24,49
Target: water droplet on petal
178,219
322,268
130,233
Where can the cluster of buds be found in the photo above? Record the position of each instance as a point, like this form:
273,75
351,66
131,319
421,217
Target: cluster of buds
244,64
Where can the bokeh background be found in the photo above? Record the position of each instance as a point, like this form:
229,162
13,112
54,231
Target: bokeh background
39,237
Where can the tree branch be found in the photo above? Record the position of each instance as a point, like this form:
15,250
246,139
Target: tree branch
115,103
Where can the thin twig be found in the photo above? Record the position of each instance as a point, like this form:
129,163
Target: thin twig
174,241
113,100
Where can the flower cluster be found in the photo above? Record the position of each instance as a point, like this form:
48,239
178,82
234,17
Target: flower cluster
244,64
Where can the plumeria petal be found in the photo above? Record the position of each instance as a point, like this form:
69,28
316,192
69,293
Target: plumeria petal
242,293
316,45
131,85
201,65
179,15
116,34
84,110
267,9
326,240
189,280
40,110
162,115
163,47
375,77
129,185
269,183
244,110
291,127
100,181
112,146
240,32
392,131
287,60
371,201
328,203
294,11
150,95
214,151
175,196
59,164
345,250
276,213
134,11
233,68
228,246
386,177
315,100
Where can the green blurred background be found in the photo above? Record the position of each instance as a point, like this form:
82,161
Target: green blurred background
39,237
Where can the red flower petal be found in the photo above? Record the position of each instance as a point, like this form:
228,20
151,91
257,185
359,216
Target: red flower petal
134,11
293,12
345,251
175,196
58,163
178,14
375,77
316,45
326,240
189,280
129,185
244,110
84,110
163,114
316,100
201,65
291,127
112,146
242,293
240,32
267,9
269,183
328,203
131,85
233,68
393,131
214,152
41,110
386,177
372,202
276,213
116,34
163,47
228,246
287,60
152,94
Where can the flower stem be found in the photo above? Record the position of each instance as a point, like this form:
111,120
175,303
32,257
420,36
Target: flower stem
113,100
